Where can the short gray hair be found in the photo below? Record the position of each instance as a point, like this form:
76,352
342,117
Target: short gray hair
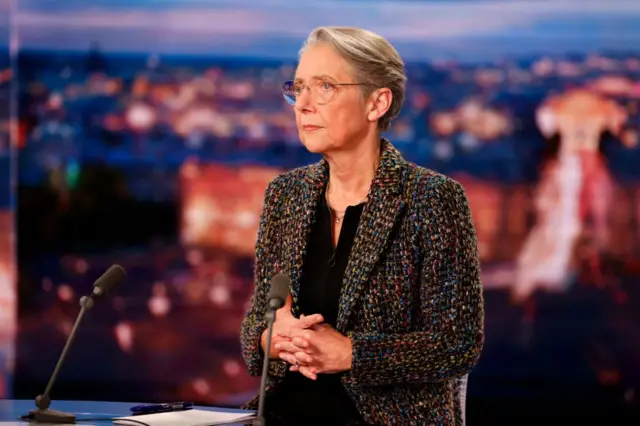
373,59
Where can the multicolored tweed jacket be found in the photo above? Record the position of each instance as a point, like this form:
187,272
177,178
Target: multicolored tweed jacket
411,301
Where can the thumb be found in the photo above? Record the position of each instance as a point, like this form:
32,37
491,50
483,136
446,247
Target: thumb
288,303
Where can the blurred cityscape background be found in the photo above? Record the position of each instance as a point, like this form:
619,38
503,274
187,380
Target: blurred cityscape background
144,133
8,296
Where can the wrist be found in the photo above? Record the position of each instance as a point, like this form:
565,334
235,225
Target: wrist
263,341
263,344
272,351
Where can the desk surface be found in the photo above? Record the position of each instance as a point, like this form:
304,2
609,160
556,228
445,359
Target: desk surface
12,409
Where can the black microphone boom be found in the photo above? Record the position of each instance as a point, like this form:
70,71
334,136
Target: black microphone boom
278,293
103,285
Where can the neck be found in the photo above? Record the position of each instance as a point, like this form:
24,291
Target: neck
352,171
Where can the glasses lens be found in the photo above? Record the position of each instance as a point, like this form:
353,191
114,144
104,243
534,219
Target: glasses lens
288,93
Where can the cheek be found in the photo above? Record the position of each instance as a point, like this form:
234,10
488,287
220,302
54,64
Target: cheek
344,120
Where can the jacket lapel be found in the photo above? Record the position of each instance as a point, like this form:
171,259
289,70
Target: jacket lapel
301,218
379,217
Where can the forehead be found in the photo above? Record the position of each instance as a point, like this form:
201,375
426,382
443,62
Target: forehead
321,61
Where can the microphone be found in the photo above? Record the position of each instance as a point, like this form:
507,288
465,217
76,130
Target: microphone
278,293
109,281
102,286
276,299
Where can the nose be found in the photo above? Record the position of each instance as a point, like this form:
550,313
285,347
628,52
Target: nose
303,101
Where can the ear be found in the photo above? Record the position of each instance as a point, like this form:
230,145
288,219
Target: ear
378,104
547,121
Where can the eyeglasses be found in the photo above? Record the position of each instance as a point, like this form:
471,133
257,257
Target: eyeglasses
323,91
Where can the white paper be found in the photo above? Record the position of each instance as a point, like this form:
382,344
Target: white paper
185,418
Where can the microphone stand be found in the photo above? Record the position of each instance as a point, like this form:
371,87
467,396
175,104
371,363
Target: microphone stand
271,318
42,414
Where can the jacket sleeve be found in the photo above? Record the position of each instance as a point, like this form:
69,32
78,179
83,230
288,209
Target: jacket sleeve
452,306
254,323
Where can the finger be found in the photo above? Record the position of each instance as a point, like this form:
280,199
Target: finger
300,342
287,347
305,334
278,337
313,370
282,337
288,303
306,371
311,320
303,358
290,358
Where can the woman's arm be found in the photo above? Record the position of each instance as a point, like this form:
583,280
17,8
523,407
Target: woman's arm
254,324
452,305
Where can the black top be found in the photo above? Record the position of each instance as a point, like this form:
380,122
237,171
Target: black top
324,400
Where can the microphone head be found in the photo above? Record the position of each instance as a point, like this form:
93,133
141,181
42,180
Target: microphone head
279,290
109,280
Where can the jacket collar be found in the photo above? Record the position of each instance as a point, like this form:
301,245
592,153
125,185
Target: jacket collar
388,179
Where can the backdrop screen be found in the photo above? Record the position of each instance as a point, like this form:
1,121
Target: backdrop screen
8,295
148,133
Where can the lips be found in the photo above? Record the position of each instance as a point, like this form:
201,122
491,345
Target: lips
310,127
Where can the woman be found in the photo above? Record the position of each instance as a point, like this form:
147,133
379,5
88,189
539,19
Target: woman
386,309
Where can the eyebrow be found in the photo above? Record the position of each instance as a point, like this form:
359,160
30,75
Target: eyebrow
315,77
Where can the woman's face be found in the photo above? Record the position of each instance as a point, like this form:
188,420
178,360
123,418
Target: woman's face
329,116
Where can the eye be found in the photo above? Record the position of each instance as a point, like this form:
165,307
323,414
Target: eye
297,89
326,86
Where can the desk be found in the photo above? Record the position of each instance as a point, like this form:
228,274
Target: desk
12,409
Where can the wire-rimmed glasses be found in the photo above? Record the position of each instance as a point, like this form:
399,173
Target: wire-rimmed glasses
322,91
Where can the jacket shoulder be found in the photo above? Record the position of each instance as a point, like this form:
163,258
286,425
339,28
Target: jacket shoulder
285,188
289,180
426,186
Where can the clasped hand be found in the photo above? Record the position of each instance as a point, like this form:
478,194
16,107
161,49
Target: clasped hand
316,349
309,345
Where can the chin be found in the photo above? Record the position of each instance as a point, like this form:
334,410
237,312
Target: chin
315,144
